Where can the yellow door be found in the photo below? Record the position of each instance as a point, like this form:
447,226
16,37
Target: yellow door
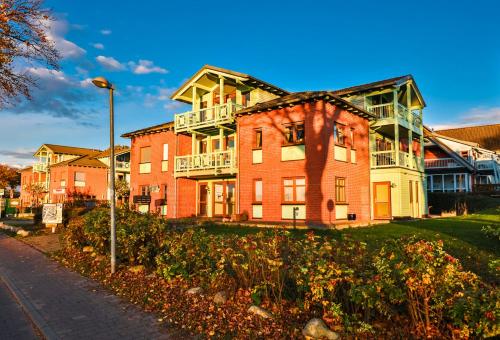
382,200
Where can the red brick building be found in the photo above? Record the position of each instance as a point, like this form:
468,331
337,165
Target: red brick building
259,152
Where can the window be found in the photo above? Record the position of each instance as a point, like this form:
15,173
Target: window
340,194
257,191
146,154
294,133
63,183
352,138
79,179
294,190
144,190
164,193
165,152
338,134
258,139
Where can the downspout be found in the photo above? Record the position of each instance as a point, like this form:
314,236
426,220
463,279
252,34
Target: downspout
237,141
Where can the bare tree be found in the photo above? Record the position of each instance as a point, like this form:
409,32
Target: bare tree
23,41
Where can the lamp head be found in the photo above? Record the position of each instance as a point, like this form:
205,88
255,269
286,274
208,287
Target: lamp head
102,83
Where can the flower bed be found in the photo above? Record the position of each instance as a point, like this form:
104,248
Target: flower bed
407,288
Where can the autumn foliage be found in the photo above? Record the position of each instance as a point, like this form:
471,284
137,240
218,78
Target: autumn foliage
408,288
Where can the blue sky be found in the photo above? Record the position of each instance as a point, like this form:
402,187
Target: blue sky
147,49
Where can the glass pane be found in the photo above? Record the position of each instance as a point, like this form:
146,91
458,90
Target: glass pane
301,193
258,191
437,183
288,182
146,154
288,194
300,181
449,183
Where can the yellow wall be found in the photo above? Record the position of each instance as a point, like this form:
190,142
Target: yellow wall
400,191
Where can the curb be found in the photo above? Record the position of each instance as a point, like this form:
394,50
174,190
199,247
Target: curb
30,310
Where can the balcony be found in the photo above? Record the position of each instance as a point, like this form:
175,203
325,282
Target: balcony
206,119
122,166
487,164
441,163
386,111
387,159
206,164
40,167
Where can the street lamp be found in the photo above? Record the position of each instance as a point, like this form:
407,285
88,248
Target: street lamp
105,84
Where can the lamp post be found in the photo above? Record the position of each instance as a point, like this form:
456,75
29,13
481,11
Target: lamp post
101,82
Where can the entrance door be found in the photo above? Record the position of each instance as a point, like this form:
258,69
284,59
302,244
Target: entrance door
231,198
382,200
219,199
203,199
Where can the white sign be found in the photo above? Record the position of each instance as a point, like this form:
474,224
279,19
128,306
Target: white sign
59,191
52,213
2,192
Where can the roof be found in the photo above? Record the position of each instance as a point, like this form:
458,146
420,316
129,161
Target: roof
244,77
487,136
68,150
119,149
149,130
301,97
380,84
450,152
86,160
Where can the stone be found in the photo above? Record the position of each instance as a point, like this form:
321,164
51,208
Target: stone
317,329
195,290
220,298
23,233
136,269
256,310
88,249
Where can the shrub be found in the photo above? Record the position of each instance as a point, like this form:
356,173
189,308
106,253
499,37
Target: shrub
492,232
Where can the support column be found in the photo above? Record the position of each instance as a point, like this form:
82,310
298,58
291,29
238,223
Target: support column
194,99
410,130
396,126
239,100
221,90
221,139
193,143
422,163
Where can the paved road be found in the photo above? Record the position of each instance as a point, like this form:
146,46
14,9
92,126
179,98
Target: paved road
14,324
64,305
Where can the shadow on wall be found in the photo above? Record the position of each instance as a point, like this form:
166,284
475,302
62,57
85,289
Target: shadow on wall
319,118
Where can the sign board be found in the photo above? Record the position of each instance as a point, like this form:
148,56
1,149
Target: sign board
2,192
59,191
140,199
14,202
52,213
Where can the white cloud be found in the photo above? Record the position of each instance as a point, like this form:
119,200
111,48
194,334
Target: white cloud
106,32
98,46
146,67
56,30
475,116
110,63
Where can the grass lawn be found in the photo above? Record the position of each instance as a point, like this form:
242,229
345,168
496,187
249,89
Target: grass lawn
462,236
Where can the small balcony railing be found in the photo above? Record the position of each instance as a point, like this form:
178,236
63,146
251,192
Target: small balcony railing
485,164
386,111
209,117
219,162
385,159
40,167
441,163
122,166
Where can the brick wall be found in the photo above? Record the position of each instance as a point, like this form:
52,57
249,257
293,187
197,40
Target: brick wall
319,166
186,189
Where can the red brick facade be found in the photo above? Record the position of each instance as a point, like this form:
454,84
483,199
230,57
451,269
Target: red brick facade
181,193
319,166
95,184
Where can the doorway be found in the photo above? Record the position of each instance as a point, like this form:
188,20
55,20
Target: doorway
382,200
224,198
203,199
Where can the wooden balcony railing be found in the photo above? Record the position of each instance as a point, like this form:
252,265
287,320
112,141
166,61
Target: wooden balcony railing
122,166
441,163
209,117
40,167
386,111
385,159
213,163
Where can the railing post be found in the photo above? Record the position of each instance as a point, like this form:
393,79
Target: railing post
409,114
396,125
